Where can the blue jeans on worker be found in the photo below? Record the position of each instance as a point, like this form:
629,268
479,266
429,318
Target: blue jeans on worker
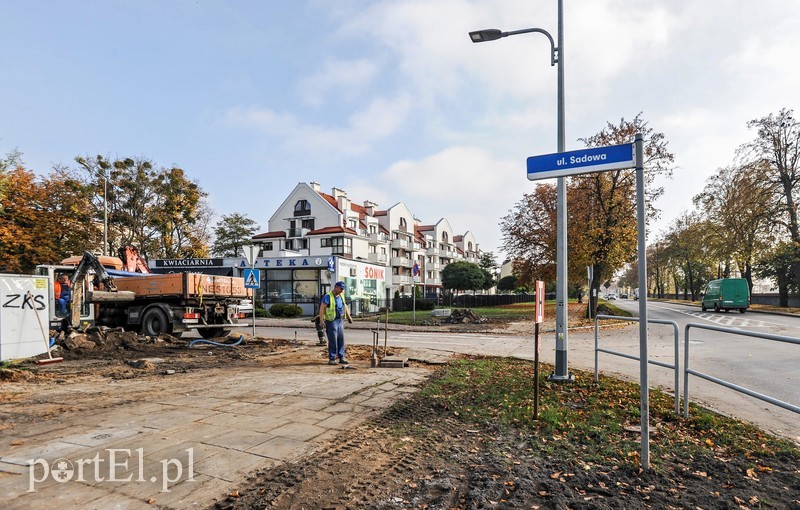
62,306
335,331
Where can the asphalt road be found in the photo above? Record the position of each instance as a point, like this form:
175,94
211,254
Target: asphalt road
767,367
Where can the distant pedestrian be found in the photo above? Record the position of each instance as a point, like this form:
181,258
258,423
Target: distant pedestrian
332,312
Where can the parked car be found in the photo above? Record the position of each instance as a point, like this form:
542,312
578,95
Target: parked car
726,294
611,296
623,296
291,297
246,307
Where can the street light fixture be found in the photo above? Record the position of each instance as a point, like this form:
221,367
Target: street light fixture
556,57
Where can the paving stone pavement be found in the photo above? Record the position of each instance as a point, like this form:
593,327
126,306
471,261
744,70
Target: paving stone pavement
192,443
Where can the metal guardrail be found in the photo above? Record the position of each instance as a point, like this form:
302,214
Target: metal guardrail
687,371
675,367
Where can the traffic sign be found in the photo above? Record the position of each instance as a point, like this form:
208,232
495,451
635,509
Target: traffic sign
252,278
250,253
596,159
539,296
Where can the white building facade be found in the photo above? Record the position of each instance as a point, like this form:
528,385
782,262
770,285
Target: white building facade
377,252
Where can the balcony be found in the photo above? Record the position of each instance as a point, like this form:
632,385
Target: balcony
432,251
401,261
302,212
432,281
398,279
297,232
400,244
378,258
377,238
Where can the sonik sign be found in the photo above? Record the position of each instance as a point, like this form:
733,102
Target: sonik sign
596,159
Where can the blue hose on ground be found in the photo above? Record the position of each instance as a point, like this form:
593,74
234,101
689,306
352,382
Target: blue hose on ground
218,344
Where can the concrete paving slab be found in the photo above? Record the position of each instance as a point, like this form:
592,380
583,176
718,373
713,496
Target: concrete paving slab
300,414
66,496
337,421
48,451
299,431
239,439
231,465
166,419
102,436
197,494
119,502
282,448
240,421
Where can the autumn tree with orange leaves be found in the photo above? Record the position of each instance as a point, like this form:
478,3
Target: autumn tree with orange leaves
42,221
601,214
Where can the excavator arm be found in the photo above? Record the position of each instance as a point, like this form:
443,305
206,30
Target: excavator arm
102,280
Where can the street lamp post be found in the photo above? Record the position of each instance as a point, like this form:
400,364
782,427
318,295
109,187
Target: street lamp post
556,57
105,211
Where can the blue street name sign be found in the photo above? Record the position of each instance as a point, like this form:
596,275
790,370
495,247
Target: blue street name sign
596,159
252,278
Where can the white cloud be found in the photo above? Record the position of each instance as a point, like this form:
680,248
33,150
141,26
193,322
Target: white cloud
345,78
466,185
376,121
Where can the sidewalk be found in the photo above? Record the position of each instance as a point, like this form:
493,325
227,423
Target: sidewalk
175,441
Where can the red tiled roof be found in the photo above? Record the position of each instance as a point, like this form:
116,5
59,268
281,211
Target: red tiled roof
269,235
332,230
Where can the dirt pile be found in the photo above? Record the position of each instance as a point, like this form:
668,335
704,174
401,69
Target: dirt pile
465,316
82,344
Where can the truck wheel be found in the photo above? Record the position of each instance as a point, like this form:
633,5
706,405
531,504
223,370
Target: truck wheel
213,332
155,322
742,310
703,307
716,308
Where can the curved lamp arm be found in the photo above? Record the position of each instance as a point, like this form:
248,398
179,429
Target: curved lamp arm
492,34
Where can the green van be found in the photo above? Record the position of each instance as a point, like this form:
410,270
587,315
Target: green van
726,294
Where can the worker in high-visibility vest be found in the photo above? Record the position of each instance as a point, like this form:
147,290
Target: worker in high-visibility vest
332,312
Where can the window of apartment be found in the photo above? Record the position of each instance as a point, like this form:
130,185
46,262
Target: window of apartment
266,246
308,223
288,244
338,245
444,237
352,224
373,229
469,246
403,224
302,244
302,208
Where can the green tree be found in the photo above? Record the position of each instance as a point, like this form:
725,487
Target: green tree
779,266
160,211
603,228
463,276
529,234
180,222
507,283
777,149
231,233
738,204
687,252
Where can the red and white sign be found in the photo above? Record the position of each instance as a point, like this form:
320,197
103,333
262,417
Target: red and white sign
539,318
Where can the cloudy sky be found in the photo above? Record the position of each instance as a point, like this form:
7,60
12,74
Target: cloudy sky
388,100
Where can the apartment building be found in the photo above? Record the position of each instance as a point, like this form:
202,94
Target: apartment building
316,238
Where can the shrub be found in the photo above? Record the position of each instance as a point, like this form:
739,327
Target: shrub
406,304
285,310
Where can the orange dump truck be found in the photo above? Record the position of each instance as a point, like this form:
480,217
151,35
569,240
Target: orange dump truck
148,303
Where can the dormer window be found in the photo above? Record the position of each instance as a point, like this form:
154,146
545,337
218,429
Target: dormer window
302,208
